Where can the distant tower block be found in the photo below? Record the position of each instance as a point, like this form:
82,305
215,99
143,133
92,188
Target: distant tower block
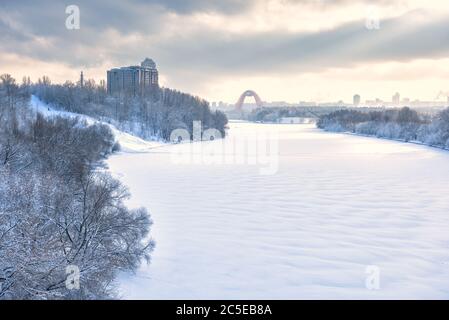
81,79
396,99
356,100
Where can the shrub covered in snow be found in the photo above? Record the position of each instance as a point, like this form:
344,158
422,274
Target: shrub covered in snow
58,208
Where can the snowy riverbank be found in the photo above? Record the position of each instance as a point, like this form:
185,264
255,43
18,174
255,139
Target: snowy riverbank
128,142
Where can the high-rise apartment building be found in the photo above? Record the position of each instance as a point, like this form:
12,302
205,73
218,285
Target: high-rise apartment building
133,80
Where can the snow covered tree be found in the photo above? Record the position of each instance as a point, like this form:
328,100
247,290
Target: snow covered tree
59,209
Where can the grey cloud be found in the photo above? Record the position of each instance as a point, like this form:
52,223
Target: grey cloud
226,7
398,39
206,52
47,17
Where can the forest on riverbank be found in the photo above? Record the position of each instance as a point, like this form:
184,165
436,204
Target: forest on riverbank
153,115
400,124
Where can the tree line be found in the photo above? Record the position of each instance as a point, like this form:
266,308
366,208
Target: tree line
59,208
402,124
274,114
153,115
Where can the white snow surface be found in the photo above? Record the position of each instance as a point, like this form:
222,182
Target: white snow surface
337,204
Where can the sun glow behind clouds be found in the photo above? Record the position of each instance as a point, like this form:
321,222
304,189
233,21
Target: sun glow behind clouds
420,79
307,16
288,50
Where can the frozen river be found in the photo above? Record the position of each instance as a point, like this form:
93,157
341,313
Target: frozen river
335,216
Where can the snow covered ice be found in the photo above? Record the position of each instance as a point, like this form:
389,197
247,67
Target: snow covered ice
337,205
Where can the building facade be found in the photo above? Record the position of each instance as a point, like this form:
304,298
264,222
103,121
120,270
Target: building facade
396,99
133,80
356,100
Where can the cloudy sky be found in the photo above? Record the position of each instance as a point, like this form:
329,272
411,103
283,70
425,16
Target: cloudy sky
286,50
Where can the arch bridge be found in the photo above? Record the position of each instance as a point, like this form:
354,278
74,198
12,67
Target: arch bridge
248,93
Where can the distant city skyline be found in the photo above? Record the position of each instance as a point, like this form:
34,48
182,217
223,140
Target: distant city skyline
289,50
357,100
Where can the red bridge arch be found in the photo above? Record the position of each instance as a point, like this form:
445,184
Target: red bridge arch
248,93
